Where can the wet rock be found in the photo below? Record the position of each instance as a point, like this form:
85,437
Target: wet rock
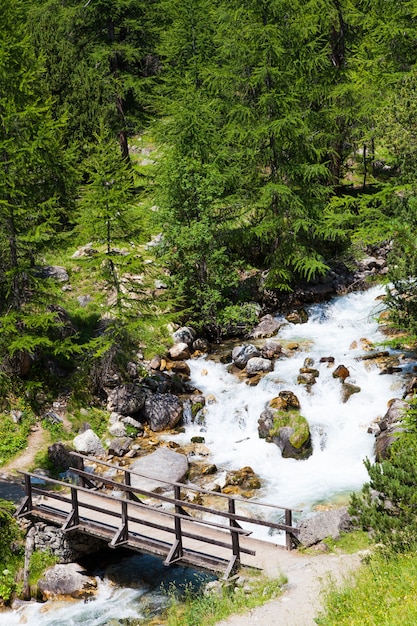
163,464
341,372
287,428
306,378
244,478
258,365
126,399
327,359
179,367
69,580
242,354
162,411
267,327
348,390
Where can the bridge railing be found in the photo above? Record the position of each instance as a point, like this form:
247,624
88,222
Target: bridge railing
180,489
131,511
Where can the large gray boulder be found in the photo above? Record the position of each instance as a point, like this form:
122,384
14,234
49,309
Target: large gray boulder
162,411
242,354
163,464
70,580
126,399
282,423
88,443
322,525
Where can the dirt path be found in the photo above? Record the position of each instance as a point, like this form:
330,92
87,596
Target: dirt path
302,598
37,441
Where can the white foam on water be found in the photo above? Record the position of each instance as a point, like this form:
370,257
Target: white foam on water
339,430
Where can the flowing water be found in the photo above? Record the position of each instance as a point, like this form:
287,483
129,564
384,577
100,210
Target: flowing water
339,430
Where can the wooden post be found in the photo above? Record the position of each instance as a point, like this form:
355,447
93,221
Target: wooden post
73,518
288,522
234,563
176,552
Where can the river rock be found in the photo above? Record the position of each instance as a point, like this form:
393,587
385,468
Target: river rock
179,352
69,580
341,372
185,334
126,399
300,316
201,345
88,443
324,524
267,327
258,365
287,428
242,354
164,464
390,426
348,390
162,411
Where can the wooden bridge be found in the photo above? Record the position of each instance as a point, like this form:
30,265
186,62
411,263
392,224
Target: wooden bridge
169,525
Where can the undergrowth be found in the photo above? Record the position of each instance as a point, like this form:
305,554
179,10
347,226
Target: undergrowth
200,608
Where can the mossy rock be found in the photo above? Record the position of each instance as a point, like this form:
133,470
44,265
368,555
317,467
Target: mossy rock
291,433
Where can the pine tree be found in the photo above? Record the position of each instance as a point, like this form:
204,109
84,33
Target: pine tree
32,187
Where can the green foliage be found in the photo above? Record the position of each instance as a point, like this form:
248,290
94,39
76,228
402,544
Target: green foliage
381,592
388,502
206,609
39,562
11,557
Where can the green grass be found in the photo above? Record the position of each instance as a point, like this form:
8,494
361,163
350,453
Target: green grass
349,543
382,592
199,609
39,562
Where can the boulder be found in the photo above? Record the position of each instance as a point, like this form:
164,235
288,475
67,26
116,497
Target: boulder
88,443
179,352
162,411
126,399
287,428
267,327
201,345
390,426
61,458
53,271
69,580
324,524
184,335
163,464
258,365
242,354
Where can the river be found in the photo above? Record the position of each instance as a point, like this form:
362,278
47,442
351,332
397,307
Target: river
341,441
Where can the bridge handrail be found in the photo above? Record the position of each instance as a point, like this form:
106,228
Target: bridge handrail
190,505
189,486
58,496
